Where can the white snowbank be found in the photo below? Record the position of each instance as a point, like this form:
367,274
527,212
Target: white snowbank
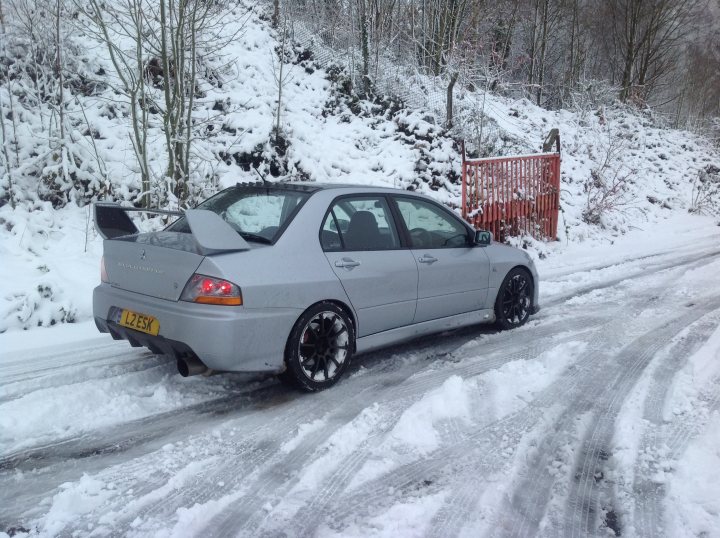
693,501
478,400
303,431
702,369
407,519
416,428
73,500
50,264
41,414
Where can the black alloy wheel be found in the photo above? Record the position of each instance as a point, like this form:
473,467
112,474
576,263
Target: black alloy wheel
513,305
319,347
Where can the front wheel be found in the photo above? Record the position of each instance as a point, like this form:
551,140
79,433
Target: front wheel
319,347
514,299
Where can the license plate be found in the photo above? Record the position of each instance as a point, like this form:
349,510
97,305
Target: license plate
140,322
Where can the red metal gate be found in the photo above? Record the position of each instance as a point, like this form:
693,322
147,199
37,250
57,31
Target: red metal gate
512,196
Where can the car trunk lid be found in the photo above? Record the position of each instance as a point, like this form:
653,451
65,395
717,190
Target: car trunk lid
159,264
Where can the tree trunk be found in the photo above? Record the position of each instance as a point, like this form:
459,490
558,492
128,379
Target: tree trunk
629,39
6,152
364,47
140,117
449,102
167,118
533,44
276,13
570,76
543,46
59,74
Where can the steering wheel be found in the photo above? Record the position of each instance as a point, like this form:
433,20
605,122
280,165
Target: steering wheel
420,237
453,238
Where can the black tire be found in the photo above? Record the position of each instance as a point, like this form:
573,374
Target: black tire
514,301
319,348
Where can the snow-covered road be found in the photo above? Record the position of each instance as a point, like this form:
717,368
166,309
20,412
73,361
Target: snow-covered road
599,416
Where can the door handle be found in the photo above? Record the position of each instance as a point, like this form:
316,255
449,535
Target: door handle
347,263
426,258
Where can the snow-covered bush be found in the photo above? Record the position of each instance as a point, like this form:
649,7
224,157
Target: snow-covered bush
706,192
46,266
608,189
48,146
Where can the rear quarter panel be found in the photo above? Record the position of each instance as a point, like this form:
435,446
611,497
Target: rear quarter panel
293,273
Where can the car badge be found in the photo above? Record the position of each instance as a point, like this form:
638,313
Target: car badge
142,255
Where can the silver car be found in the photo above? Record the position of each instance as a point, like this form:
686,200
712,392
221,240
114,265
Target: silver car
296,278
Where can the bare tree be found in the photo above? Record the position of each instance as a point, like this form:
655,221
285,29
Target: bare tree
5,142
184,33
105,23
282,78
646,35
364,22
170,39
37,74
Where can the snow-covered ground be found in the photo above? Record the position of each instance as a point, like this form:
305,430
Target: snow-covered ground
599,416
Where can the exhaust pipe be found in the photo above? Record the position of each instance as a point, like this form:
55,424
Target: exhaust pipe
188,366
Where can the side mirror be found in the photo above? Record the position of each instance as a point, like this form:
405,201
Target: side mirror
483,238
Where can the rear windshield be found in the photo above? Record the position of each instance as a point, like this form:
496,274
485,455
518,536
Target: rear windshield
258,214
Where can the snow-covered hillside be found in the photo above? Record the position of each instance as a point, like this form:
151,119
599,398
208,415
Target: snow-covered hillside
51,254
328,136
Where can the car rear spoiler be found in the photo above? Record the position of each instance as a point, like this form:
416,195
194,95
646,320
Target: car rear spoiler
210,231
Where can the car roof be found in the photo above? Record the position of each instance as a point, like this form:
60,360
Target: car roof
312,186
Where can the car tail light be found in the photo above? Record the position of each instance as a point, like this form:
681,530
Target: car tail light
103,272
210,290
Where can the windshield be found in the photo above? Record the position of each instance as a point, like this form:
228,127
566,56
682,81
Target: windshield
258,214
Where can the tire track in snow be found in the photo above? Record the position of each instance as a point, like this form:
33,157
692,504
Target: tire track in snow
387,394
393,400
584,505
406,477
449,519
150,432
92,370
688,252
229,414
272,469
14,364
308,519
317,505
667,440
534,494
119,438
640,273
490,440
263,463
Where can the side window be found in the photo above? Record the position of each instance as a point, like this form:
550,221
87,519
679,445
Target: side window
362,223
430,226
330,235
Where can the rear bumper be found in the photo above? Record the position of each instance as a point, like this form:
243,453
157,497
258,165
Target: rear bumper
225,338
157,344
